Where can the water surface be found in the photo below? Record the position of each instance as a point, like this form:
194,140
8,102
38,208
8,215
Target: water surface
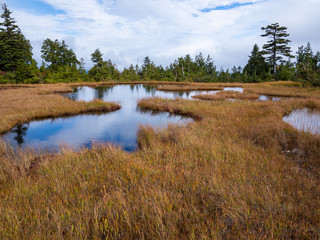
235,89
119,127
267,98
304,120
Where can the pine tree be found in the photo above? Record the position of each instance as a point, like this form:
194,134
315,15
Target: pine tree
307,65
81,66
56,54
277,45
103,70
14,48
200,62
256,65
96,58
210,67
148,68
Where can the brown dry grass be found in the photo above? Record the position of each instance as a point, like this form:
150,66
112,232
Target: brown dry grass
223,95
194,87
277,89
19,105
284,89
227,176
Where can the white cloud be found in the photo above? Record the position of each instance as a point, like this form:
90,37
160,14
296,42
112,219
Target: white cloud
164,30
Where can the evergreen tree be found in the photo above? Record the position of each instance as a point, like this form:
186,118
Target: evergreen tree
277,45
286,71
149,70
96,58
57,55
15,50
188,61
200,61
236,74
210,67
81,66
256,65
307,65
129,74
103,70
305,62
27,73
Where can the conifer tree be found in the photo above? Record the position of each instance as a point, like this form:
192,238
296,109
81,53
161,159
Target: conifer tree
257,65
56,54
96,58
307,65
103,70
14,48
277,45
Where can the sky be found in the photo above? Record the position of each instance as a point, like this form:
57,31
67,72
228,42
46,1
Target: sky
126,31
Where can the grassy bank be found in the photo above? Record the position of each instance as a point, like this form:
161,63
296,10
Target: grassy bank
18,105
194,87
231,175
223,95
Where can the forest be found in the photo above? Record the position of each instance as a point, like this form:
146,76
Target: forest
273,62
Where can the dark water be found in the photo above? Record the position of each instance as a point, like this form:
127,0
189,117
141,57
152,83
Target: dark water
304,120
119,127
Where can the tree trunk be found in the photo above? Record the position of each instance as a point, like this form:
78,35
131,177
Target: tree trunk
182,71
274,55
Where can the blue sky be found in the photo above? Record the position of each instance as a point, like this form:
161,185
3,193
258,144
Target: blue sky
126,31
227,7
33,6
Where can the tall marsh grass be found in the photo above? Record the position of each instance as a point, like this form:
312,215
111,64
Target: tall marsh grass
19,105
233,174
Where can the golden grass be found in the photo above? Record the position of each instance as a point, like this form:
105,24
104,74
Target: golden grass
277,89
24,104
227,176
223,95
282,90
194,87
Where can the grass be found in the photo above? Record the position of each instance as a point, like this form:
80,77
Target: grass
223,95
194,87
19,105
284,89
226,176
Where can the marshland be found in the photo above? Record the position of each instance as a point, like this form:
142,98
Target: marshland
237,171
144,151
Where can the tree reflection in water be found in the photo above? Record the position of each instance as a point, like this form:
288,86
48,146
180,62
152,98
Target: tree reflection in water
20,130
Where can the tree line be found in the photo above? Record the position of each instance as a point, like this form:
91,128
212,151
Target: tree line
60,63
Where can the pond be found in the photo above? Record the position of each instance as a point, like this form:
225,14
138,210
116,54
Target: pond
119,127
268,98
235,89
304,120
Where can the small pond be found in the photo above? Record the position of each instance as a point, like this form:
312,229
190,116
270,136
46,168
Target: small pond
268,98
119,127
235,89
304,120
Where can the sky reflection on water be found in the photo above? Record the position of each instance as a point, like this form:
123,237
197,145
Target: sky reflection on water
304,120
119,127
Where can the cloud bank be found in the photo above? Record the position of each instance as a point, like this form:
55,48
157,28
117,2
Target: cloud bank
126,31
